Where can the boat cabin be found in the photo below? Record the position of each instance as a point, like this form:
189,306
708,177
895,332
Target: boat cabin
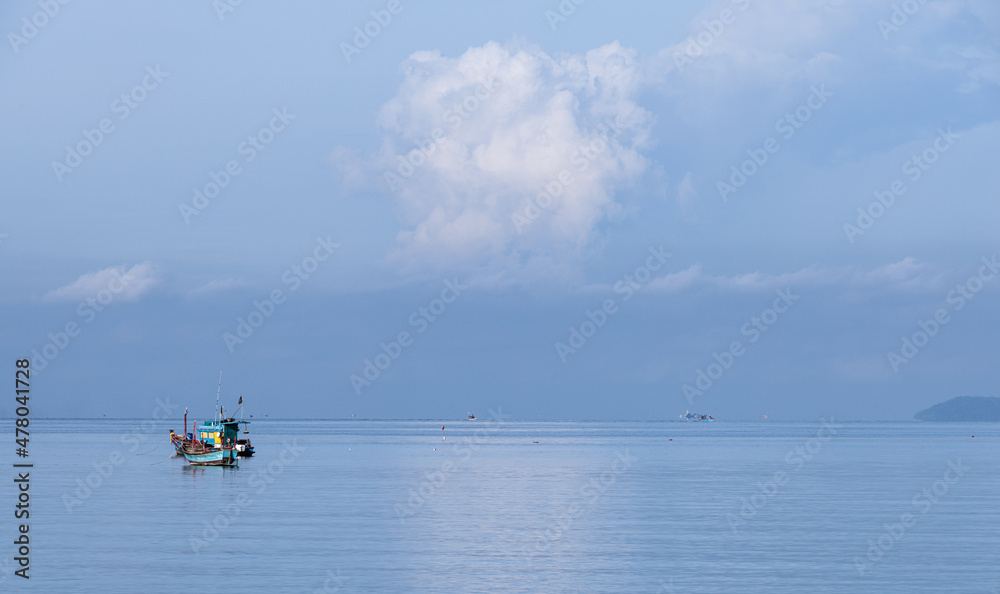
218,433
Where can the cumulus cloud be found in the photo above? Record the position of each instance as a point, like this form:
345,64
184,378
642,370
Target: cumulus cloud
473,148
506,158
124,285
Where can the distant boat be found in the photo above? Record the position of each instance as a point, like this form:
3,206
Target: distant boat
689,416
471,417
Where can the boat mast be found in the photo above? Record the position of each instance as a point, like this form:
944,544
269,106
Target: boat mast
217,396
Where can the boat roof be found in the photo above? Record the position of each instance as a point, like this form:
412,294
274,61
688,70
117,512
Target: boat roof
213,425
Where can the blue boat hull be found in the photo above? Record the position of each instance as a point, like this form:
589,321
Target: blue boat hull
219,457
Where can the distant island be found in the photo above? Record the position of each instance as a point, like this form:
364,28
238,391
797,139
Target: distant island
963,409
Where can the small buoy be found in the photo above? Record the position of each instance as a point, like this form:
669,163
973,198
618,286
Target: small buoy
670,440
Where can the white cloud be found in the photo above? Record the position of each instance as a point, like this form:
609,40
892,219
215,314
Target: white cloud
906,275
678,281
215,286
510,119
772,51
124,285
780,46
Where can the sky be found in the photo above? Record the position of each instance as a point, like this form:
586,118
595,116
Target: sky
561,210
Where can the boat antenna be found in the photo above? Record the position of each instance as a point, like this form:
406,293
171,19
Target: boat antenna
217,395
243,416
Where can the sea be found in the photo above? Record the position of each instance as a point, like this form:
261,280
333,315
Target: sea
499,505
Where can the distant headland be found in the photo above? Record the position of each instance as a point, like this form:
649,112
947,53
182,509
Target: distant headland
963,409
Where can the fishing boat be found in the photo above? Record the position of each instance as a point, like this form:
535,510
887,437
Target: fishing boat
689,416
210,446
215,442
230,429
230,432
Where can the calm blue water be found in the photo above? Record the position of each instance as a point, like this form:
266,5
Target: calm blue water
370,506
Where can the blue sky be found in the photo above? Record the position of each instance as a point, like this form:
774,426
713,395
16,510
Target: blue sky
487,179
